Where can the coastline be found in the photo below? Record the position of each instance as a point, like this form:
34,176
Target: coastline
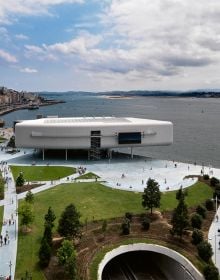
25,106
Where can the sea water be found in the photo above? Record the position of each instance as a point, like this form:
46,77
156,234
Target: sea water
196,121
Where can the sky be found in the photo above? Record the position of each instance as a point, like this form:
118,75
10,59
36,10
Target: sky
105,45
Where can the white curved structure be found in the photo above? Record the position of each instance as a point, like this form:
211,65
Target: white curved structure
84,133
174,265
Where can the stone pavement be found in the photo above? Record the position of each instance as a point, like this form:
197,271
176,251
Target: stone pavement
214,238
8,251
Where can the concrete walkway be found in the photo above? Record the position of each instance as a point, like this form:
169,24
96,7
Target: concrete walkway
214,238
8,250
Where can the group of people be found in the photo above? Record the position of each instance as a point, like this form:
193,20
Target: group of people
81,170
4,240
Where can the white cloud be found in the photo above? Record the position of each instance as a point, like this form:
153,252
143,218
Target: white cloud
28,7
21,37
79,45
28,70
141,41
7,57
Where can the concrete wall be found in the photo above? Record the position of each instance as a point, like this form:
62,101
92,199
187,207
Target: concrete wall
78,137
174,265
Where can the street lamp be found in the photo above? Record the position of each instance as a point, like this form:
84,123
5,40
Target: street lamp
10,265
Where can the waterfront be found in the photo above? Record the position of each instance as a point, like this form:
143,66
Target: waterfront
196,126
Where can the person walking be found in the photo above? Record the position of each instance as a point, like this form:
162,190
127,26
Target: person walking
5,240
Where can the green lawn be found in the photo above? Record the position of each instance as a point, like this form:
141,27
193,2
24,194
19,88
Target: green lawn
94,201
42,173
88,175
2,139
196,195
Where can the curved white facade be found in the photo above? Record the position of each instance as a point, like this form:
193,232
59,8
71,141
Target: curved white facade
82,133
173,264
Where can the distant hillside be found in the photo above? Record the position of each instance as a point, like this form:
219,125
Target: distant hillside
198,94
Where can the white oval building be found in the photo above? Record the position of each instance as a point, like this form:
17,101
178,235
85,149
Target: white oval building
92,133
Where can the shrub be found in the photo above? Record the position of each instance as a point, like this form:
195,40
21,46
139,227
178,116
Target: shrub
44,253
145,223
196,221
214,181
206,177
205,250
125,226
129,216
197,236
2,183
201,211
209,204
210,272
20,180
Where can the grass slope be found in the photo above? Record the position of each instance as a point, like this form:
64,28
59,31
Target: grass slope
42,173
197,194
88,175
94,201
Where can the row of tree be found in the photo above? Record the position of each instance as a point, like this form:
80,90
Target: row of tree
69,227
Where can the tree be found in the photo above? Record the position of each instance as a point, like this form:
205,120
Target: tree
20,180
48,234
50,217
205,250
129,216
145,223
46,242
197,236
206,177
27,215
104,227
152,195
64,252
209,204
44,253
211,272
71,265
11,142
29,197
125,226
67,256
214,181
69,223
196,221
180,218
201,211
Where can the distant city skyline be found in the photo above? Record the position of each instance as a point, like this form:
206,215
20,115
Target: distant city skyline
91,45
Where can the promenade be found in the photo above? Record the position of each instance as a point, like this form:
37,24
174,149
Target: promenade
9,233
214,238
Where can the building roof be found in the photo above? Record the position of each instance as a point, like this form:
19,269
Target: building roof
84,121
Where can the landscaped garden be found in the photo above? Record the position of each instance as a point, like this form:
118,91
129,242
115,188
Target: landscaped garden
95,202
42,173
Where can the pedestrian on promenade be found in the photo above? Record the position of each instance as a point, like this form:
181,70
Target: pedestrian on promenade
216,218
5,240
